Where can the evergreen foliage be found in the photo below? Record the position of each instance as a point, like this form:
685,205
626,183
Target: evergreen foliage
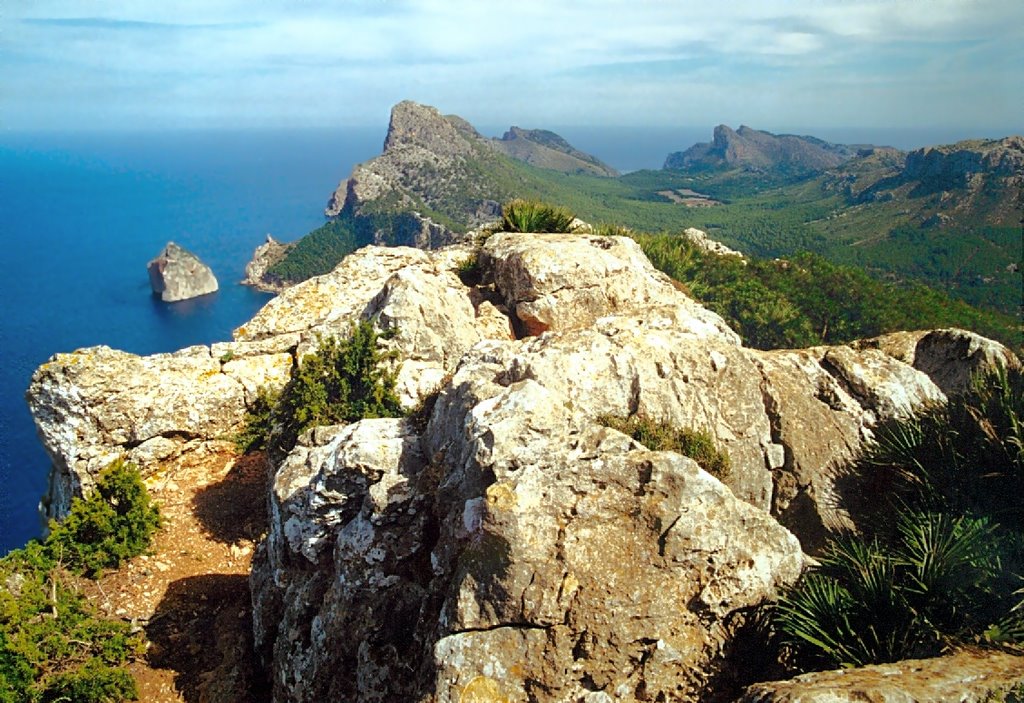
54,646
319,251
806,300
534,216
341,382
660,436
948,570
116,522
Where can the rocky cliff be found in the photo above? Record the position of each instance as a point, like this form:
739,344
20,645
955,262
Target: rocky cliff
265,256
440,168
756,150
510,546
177,274
960,182
544,149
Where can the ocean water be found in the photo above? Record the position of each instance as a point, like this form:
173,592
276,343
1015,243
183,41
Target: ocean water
80,217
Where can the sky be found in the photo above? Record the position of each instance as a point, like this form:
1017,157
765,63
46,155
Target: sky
771,64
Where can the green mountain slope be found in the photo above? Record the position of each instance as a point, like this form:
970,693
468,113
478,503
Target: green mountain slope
947,217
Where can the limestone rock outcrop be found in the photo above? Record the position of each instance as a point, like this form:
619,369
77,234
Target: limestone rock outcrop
265,256
756,150
96,404
506,545
700,239
177,274
428,158
966,677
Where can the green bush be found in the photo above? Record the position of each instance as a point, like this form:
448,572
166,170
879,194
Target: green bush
658,436
469,270
534,216
341,382
54,646
116,522
946,571
259,422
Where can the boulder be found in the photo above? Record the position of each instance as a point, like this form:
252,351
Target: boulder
177,274
515,550
565,281
96,404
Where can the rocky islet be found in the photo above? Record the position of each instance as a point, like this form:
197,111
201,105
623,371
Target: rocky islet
177,274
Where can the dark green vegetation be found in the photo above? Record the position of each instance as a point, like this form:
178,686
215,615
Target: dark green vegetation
318,252
116,523
806,300
947,570
658,436
956,240
534,216
339,383
54,646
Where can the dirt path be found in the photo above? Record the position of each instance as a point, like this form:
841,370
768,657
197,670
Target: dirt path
190,596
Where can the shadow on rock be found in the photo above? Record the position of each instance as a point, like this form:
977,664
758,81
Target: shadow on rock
202,630
235,508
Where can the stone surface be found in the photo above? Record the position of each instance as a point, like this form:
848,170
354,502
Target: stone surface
965,677
95,404
563,281
700,239
509,546
538,554
176,274
950,357
265,256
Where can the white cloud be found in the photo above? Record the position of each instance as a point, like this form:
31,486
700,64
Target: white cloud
308,62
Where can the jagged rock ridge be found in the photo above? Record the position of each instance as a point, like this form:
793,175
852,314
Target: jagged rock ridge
545,149
440,168
953,183
178,274
514,547
756,150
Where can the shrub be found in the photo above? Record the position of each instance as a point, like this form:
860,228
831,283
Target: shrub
54,646
945,571
656,436
259,422
870,602
534,216
469,270
113,524
341,382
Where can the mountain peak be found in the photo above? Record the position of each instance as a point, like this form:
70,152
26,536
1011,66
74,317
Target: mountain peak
751,149
545,149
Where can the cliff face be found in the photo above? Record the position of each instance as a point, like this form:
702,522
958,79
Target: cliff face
440,168
514,547
265,256
755,150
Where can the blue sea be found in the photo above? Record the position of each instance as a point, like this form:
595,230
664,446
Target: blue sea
82,214
80,217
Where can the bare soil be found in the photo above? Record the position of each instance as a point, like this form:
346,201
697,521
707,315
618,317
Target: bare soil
190,596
